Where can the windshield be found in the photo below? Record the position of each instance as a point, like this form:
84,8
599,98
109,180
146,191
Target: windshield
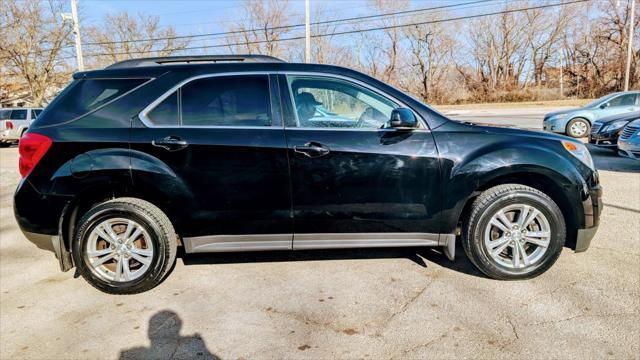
599,101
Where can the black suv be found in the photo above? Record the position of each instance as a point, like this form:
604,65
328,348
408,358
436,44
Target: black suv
244,153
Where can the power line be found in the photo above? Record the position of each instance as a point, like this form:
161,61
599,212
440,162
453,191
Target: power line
348,31
285,26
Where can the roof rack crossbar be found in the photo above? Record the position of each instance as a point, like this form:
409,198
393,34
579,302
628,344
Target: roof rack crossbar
169,60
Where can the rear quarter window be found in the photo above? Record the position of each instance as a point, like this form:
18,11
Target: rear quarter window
84,96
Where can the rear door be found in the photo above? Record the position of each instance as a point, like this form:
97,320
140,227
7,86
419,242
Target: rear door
222,136
356,182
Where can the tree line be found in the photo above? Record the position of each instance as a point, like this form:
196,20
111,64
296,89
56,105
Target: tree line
525,50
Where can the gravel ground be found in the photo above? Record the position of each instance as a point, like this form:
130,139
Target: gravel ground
388,303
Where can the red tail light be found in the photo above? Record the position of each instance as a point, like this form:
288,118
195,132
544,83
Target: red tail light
8,125
32,148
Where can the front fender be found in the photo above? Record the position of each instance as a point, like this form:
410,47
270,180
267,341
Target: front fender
482,167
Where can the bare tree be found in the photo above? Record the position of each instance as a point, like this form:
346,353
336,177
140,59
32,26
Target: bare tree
117,38
432,48
261,29
33,37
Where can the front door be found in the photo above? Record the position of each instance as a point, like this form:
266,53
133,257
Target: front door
356,182
223,140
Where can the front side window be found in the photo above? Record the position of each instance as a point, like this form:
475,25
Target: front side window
227,101
322,102
623,100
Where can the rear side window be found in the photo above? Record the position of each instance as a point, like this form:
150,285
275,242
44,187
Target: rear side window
242,100
84,96
13,114
220,101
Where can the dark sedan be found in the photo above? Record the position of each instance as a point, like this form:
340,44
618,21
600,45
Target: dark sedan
605,132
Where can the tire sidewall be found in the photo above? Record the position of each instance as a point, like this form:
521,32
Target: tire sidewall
546,207
104,212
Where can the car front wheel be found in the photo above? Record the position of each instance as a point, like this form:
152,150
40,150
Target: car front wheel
578,128
124,246
513,232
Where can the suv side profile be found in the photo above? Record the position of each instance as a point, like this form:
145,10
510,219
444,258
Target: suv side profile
246,153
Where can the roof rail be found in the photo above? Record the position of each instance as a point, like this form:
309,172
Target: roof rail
178,60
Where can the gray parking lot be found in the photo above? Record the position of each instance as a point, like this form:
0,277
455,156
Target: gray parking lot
373,303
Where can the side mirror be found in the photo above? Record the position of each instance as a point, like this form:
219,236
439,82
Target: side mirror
605,105
402,118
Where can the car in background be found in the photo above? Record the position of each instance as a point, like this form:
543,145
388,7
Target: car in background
605,132
14,122
577,122
629,141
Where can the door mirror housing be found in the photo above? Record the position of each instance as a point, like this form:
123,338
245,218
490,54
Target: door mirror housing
605,105
402,118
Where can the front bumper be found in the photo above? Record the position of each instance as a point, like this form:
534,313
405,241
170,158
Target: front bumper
592,206
604,140
554,125
630,148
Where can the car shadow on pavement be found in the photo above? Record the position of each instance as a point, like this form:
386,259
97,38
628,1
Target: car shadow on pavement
609,160
166,341
419,256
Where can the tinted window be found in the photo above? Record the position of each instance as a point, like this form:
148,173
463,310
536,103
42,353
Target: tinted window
327,102
17,115
165,113
83,96
623,100
227,101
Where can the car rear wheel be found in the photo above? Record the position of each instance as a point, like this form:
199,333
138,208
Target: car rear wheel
124,246
514,232
578,128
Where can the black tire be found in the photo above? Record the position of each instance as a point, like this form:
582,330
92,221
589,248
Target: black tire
570,132
154,221
486,205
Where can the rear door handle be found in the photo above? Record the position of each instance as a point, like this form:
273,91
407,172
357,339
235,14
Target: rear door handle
171,143
312,149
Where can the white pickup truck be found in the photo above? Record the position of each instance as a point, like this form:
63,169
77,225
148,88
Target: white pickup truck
14,122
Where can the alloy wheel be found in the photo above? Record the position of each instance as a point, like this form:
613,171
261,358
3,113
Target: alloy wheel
517,236
119,250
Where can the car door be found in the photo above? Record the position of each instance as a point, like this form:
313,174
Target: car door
222,136
619,105
354,181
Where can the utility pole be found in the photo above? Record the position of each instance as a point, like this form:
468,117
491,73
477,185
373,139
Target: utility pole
630,45
73,17
307,36
561,79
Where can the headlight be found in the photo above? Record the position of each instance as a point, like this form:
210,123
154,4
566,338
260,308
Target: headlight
615,125
580,151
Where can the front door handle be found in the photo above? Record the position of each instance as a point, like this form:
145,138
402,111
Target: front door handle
312,149
171,143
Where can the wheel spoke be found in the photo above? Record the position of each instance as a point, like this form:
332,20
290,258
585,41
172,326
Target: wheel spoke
537,234
515,256
523,215
130,226
99,253
143,252
542,243
532,216
497,242
133,236
126,270
100,230
142,259
119,268
498,224
103,259
523,253
505,220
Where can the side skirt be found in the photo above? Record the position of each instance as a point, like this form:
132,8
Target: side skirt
230,243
